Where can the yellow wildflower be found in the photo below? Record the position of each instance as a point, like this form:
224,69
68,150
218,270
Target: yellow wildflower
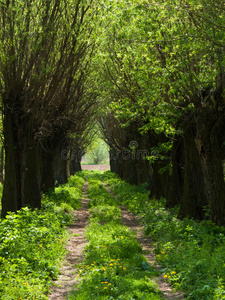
165,276
173,272
124,268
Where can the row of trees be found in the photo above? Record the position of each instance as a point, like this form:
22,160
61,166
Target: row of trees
156,71
45,54
162,73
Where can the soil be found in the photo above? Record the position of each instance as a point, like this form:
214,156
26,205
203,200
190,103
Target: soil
68,279
95,167
75,246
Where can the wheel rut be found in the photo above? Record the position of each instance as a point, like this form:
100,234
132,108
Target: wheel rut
68,279
134,223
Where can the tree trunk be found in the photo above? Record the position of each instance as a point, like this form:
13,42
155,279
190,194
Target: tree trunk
47,176
210,135
113,159
10,189
159,181
30,188
176,179
2,165
21,186
60,164
75,162
193,198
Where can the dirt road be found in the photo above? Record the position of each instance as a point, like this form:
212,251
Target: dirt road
95,167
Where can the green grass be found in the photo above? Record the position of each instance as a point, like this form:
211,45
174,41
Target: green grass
114,267
67,194
190,253
32,244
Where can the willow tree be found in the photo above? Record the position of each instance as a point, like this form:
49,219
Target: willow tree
192,55
123,82
174,53
42,44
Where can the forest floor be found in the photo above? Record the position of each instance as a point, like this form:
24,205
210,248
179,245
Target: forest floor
68,279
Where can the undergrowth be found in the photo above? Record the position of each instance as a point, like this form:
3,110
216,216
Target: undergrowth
114,267
32,243
191,253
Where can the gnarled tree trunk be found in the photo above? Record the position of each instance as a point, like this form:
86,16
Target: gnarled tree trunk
21,186
209,138
193,198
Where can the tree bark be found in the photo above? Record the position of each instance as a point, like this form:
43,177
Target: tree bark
193,198
176,179
47,176
10,189
75,161
209,138
2,165
21,186
159,181
60,164
30,188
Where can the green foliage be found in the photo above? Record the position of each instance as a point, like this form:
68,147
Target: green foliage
134,197
190,253
155,58
97,152
32,244
83,174
69,193
98,194
106,213
114,267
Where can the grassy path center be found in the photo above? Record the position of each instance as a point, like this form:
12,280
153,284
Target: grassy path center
114,266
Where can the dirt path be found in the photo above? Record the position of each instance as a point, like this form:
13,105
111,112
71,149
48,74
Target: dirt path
75,246
134,223
95,167
77,242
